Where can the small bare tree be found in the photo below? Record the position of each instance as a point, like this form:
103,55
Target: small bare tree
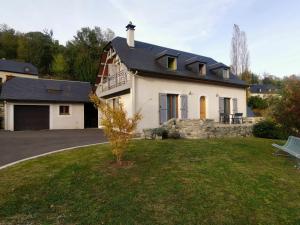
239,51
118,128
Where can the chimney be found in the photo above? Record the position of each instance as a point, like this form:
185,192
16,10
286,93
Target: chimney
130,34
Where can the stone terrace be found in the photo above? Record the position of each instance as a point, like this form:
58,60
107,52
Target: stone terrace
197,129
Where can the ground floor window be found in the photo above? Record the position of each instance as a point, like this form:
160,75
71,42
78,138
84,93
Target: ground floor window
172,106
227,105
64,110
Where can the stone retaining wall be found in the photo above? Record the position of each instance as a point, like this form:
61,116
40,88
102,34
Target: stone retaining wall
207,129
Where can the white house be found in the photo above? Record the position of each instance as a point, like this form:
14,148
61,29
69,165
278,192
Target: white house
36,104
166,83
263,90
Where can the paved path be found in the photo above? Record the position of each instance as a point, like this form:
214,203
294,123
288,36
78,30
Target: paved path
19,145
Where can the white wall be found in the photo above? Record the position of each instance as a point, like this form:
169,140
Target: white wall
147,98
126,100
73,121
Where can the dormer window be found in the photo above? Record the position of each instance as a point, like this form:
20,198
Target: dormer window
202,69
226,73
172,63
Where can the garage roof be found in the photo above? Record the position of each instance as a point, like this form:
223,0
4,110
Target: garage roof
44,90
17,67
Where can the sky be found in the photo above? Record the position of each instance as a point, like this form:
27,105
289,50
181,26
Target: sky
199,26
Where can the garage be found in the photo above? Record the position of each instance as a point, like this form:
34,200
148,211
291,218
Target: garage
42,104
31,117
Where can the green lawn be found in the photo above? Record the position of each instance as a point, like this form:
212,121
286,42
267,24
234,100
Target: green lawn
218,181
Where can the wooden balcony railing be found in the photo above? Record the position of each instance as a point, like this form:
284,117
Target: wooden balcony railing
115,80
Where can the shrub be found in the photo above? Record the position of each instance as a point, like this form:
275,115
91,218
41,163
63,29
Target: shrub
286,110
161,132
174,134
256,102
269,129
118,128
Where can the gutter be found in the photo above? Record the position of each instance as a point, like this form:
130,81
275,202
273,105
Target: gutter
177,77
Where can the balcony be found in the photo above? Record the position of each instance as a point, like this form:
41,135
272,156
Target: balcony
115,83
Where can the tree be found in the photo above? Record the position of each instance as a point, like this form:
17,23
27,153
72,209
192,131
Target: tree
249,77
239,51
118,128
59,65
8,42
287,109
84,51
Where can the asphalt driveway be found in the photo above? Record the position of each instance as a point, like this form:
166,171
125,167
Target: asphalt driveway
19,145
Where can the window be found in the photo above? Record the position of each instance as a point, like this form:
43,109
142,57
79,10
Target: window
226,74
227,105
64,110
172,106
172,64
202,69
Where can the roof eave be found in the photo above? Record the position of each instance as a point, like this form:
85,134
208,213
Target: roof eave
177,77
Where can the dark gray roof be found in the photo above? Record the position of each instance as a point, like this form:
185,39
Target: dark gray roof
263,88
143,57
17,67
26,89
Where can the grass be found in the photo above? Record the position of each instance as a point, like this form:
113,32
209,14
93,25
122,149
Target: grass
217,181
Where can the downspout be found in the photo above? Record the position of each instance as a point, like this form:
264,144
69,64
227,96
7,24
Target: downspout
133,93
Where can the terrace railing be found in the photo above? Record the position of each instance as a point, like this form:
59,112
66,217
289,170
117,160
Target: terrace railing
115,80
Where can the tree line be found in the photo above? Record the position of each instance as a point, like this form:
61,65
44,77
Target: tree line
77,60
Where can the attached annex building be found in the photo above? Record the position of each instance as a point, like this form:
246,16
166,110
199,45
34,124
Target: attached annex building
165,83
37,104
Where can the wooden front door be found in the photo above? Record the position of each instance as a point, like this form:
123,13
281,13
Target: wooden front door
202,108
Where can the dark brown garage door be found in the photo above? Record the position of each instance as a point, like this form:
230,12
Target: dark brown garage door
31,117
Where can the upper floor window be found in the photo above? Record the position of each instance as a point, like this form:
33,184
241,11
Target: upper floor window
226,73
202,69
172,63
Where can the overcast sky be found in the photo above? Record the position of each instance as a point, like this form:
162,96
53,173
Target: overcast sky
198,26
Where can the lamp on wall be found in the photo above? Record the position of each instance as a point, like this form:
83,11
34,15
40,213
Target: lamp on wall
190,93
217,95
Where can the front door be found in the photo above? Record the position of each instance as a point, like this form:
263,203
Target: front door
202,108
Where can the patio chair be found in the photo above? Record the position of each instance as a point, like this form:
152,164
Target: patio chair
237,118
292,147
224,118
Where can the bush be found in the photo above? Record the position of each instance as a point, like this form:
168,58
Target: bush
269,129
161,132
256,102
174,134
